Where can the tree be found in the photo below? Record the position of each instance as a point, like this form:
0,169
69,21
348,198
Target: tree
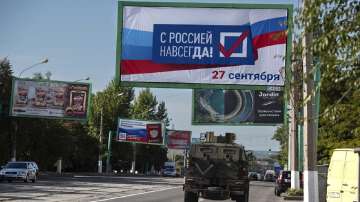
5,81
5,94
282,135
161,114
144,107
114,102
336,50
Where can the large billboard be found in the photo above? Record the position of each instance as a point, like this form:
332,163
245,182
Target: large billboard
140,131
236,107
178,139
172,45
50,99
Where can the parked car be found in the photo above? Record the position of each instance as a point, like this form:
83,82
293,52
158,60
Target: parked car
254,176
283,182
343,176
1,173
19,170
36,168
269,176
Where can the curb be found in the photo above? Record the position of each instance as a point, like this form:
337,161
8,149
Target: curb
71,174
293,198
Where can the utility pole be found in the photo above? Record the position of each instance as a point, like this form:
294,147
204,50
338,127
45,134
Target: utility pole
100,141
294,102
311,193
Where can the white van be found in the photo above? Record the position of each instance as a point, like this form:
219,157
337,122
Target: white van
343,176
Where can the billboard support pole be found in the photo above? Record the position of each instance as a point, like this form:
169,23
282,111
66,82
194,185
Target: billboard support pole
14,136
185,155
108,164
133,165
100,141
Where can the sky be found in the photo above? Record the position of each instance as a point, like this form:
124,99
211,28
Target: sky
79,39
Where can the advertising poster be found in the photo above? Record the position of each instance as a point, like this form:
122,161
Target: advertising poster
154,133
177,139
238,107
140,131
57,99
200,45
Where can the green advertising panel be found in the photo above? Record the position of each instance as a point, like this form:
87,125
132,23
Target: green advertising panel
50,99
237,107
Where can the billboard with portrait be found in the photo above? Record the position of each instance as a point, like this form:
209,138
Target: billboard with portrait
50,99
165,44
178,139
236,107
140,131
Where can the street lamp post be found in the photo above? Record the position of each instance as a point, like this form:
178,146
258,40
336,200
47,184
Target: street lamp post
83,79
108,165
34,65
16,123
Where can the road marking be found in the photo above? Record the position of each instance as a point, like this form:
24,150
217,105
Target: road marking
142,193
201,199
123,177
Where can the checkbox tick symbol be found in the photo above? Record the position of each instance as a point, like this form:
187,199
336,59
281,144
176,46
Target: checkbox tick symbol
237,43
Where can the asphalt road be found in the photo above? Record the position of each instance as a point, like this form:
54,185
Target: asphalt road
114,189
259,192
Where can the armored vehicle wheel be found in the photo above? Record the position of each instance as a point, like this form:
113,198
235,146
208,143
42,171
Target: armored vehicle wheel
191,197
244,198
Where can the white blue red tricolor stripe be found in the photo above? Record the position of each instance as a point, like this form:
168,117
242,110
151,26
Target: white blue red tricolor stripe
187,45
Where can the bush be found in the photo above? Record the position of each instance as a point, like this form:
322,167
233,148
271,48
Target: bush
294,192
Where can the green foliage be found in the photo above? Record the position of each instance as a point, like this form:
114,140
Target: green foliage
336,47
295,192
5,122
162,114
114,102
5,83
282,135
144,107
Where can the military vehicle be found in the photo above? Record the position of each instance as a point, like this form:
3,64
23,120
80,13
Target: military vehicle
217,169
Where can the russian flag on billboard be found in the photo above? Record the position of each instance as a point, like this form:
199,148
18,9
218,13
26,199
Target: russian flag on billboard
186,45
140,131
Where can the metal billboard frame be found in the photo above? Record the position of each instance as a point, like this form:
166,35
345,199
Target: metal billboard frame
193,122
50,117
163,132
122,4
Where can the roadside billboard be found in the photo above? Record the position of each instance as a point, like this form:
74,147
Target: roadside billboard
236,107
178,139
179,45
50,99
140,131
